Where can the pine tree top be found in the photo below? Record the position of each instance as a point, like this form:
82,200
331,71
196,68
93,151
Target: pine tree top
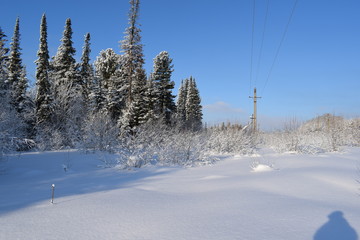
15,44
15,61
66,51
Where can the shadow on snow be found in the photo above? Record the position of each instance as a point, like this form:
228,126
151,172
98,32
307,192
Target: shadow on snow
29,181
336,228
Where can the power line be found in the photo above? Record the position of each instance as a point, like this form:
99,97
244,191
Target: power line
252,45
281,42
262,41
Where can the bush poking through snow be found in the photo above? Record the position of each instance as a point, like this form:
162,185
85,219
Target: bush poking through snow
231,139
100,132
157,143
326,133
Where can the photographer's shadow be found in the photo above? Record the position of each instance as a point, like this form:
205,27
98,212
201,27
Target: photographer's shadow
337,228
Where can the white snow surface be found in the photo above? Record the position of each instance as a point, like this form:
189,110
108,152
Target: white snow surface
303,199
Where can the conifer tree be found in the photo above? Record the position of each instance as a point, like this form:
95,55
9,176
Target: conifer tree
67,89
150,97
86,69
181,103
133,71
3,62
22,101
15,61
116,95
136,111
193,107
164,100
17,73
43,100
133,59
64,64
106,67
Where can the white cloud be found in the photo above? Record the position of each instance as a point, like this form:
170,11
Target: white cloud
223,112
222,107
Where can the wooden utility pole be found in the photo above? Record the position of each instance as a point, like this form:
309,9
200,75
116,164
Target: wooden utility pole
254,116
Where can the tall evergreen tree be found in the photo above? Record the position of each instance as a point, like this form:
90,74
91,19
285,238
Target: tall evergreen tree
193,107
181,103
3,62
133,71
150,98
116,95
136,111
43,100
67,89
17,74
164,100
106,66
132,48
15,61
86,69
64,64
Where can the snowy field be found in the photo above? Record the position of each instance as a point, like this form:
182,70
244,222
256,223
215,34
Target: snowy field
300,197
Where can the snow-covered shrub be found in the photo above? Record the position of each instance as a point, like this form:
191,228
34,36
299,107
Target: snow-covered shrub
326,133
12,128
100,132
186,148
282,141
158,143
49,138
352,132
231,140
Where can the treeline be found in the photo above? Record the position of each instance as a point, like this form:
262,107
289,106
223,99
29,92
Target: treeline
79,102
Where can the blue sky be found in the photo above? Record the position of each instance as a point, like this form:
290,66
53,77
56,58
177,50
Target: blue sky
317,70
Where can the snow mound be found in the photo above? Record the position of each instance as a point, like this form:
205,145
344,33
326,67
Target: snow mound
262,168
213,177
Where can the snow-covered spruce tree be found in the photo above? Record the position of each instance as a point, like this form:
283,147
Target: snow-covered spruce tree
17,73
133,72
149,97
116,95
106,66
15,61
136,111
86,70
43,100
18,83
64,64
181,104
164,105
96,99
193,107
3,62
67,89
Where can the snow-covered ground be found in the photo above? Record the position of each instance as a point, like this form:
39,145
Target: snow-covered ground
299,197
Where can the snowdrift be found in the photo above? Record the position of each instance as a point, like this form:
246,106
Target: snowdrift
308,197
